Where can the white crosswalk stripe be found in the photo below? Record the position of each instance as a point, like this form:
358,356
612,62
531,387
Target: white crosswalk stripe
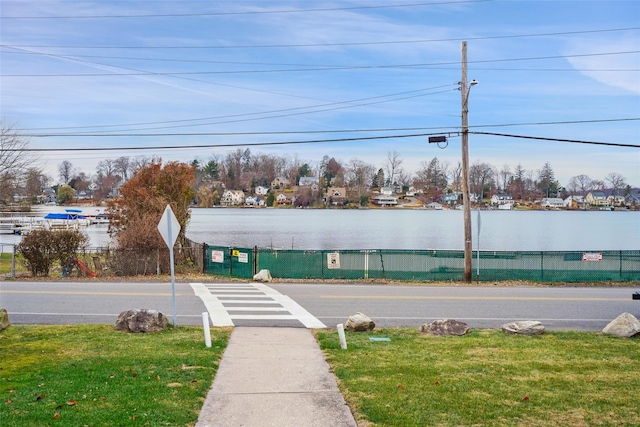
228,302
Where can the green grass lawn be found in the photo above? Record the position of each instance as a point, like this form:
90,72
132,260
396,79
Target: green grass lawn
94,375
488,378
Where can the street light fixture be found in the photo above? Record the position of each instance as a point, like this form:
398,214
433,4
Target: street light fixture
464,90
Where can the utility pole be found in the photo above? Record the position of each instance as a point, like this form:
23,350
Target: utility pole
464,90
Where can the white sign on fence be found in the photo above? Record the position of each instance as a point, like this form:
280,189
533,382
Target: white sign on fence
592,256
217,256
333,260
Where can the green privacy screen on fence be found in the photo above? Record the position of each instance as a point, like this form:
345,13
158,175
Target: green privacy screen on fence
424,265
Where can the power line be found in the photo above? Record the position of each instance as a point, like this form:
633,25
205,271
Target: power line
405,129
297,70
254,12
252,144
312,141
563,33
205,61
540,138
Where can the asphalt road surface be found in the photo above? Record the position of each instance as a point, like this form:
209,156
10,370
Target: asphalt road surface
316,305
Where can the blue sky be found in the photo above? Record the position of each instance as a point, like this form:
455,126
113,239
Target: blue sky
248,70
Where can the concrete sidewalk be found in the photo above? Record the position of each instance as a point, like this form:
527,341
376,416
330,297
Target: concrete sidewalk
274,377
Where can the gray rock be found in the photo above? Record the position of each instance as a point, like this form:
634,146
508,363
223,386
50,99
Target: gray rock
624,326
445,327
4,319
141,321
262,276
359,323
525,327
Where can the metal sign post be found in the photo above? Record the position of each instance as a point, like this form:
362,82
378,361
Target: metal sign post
169,228
478,266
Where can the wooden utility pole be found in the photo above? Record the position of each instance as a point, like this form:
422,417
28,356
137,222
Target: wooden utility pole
464,90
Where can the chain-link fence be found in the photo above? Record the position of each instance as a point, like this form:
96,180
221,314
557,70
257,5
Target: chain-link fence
424,265
108,261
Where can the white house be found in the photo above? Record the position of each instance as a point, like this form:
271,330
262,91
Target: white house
552,202
575,202
285,199
615,200
261,190
232,198
596,198
254,201
501,199
382,200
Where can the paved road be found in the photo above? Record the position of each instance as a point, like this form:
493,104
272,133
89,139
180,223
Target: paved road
314,305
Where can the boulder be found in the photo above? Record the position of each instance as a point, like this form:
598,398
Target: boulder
524,327
624,326
141,321
359,323
262,276
4,319
445,327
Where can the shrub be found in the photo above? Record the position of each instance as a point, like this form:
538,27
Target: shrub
41,248
38,251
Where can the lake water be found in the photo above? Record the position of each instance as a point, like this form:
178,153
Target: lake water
415,229
326,229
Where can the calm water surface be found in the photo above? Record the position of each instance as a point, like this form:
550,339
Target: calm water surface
415,229
328,229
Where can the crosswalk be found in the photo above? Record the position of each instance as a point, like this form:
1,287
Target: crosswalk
229,302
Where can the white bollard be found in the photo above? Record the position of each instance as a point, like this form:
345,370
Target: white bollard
343,339
207,331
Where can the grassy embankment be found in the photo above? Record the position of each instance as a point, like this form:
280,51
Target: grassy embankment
94,375
488,378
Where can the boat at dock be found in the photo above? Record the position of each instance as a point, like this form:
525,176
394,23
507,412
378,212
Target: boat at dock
69,219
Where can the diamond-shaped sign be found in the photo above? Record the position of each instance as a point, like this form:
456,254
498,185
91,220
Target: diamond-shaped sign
169,227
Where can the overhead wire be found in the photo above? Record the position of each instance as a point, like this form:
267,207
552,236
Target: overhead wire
247,12
289,45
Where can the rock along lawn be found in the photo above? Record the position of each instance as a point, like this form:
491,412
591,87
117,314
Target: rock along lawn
487,378
93,375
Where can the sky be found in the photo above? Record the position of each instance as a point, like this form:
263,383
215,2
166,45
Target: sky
184,80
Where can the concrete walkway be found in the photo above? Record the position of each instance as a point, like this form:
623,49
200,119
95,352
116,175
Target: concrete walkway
274,377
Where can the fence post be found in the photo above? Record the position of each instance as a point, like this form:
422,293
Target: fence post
541,266
204,258
620,255
13,262
230,262
255,260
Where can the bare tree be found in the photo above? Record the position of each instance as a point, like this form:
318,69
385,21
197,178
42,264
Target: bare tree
142,161
616,182
393,166
34,181
359,174
122,165
105,168
481,178
455,176
66,171
505,176
14,158
580,184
